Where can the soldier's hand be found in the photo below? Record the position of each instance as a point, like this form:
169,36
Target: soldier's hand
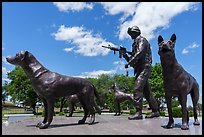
125,55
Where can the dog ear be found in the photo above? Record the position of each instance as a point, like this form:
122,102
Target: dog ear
160,39
24,55
173,38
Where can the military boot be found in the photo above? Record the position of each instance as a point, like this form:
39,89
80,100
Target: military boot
136,116
153,114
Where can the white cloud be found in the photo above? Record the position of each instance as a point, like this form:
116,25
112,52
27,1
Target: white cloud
86,43
6,79
96,73
119,65
4,70
192,46
126,8
149,16
4,60
72,6
68,49
185,51
4,73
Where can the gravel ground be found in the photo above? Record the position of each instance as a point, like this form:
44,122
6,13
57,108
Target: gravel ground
105,124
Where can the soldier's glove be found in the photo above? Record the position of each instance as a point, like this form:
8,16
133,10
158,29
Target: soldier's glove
125,56
126,65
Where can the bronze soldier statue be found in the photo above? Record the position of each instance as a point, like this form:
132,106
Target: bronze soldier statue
141,60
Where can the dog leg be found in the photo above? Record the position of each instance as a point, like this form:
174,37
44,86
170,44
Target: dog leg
50,108
97,108
195,96
90,106
116,107
86,112
45,114
119,111
169,106
92,114
71,109
183,101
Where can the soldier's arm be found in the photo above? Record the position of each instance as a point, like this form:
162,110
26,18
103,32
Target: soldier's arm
139,54
127,58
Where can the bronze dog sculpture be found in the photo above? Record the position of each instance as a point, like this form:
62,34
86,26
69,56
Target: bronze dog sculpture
120,97
73,100
177,82
50,85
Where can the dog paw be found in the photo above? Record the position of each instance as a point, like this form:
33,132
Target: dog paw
38,124
196,123
43,126
169,125
91,122
184,127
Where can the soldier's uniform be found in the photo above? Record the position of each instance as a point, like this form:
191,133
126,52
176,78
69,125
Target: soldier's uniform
141,60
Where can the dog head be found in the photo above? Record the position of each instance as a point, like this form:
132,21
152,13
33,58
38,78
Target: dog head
18,59
166,48
112,87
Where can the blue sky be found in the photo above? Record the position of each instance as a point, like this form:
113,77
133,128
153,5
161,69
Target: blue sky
67,37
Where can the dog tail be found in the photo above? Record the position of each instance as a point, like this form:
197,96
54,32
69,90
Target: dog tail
97,96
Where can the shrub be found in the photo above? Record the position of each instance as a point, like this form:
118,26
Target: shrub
190,113
177,112
132,111
61,113
147,113
162,113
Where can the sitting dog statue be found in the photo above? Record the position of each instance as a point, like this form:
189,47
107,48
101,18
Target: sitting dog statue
120,97
50,85
177,82
73,100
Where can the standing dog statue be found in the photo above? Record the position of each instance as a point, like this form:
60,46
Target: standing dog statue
50,85
73,100
177,82
120,97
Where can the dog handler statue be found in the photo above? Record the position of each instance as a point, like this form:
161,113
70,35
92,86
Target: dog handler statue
141,60
50,85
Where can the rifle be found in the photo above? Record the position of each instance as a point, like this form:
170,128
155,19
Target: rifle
121,51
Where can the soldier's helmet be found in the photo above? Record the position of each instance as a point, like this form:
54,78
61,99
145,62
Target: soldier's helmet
134,30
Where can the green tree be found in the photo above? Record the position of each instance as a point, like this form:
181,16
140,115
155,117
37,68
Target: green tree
175,102
4,91
60,103
20,88
156,82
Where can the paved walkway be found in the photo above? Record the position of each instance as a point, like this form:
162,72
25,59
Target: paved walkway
104,125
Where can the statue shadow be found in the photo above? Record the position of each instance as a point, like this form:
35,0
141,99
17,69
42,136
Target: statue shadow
175,126
63,125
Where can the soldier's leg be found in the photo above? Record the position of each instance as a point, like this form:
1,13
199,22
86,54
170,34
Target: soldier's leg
138,95
151,100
